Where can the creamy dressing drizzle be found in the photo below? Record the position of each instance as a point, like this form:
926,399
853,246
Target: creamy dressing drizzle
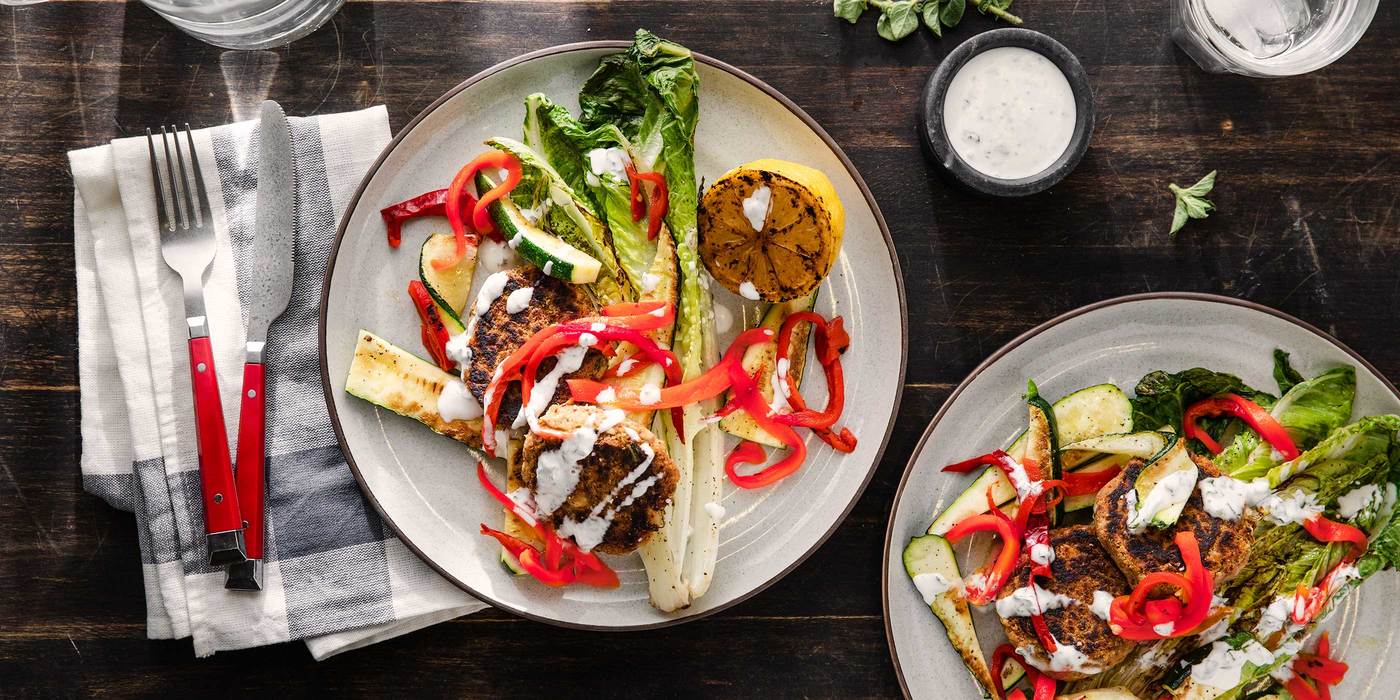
723,317
1173,488
1227,498
459,348
1030,600
567,361
1042,553
756,207
1009,112
609,161
1283,509
1351,503
1275,616
1214,632
1224,665
491,290
1025,488
649,394
456,402
519,300
932,585
589,532
1066,659
1102,601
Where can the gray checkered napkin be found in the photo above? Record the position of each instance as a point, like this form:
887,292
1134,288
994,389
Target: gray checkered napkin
334,575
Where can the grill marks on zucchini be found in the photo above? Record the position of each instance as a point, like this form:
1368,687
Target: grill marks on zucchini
395,379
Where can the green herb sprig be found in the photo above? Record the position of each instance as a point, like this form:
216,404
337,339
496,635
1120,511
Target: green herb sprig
1191,202
900,18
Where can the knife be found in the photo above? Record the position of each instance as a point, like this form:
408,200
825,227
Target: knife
270,268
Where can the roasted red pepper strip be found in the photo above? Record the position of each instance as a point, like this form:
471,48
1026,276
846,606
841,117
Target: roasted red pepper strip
634,192
1042,629
481,218
1320,668
746,452
659,204
434,333
510,369
1325,530
628,366
1309,601
1300,689
1134,616
746,395
831,365
571,333
1079,483
641,315
1251,413
1043,686
708,385
458,209
561,563
1001,569
832,340
427,204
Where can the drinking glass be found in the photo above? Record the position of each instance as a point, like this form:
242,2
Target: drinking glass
1266,38
246,24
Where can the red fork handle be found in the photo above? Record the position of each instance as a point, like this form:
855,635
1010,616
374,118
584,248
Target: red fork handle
252,454
215,471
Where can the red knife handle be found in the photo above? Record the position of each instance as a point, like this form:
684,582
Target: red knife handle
215,471
252,454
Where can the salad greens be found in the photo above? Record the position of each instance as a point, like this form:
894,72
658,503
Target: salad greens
1338,456
639,109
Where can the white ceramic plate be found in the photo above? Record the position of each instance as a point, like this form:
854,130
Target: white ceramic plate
1116,341
424,484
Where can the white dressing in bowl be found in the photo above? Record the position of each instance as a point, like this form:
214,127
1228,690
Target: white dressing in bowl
1009,113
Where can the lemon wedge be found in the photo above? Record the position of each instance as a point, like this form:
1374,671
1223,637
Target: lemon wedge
771,229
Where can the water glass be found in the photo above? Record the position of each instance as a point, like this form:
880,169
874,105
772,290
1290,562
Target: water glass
1266,38
246,24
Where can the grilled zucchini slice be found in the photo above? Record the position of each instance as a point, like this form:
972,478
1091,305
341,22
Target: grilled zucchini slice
397,380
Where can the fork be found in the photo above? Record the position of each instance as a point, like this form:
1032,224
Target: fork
187,244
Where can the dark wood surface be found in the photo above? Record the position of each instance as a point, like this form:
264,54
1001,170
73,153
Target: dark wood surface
1307,223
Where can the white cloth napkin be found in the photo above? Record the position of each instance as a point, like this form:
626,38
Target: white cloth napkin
334,575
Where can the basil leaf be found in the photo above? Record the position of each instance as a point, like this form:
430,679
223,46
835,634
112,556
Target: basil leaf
952,12
930,15
849,10
898,20
1191,202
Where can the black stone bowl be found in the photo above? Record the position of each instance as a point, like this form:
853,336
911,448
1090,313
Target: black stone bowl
931,127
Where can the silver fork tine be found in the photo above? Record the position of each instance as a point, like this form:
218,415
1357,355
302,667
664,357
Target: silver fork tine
177,221
186,197
204,212
162,213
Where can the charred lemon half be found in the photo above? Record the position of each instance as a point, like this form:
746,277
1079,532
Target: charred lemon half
771,229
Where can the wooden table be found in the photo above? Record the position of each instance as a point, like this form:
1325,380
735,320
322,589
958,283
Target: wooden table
1307,223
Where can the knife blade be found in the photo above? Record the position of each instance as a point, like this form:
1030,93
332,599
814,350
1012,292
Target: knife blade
271,262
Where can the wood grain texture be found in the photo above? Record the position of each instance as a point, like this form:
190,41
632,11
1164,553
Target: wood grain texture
1307,223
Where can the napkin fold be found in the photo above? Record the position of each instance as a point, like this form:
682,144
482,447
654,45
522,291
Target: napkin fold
334,575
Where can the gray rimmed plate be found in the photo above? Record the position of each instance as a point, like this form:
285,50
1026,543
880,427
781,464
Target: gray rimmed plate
424,485
1116,341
